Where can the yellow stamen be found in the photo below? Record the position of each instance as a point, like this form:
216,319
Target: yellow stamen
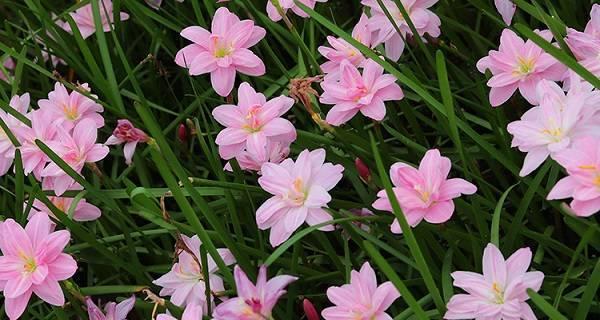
587,167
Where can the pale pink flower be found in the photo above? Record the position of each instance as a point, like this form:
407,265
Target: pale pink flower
426,192
286,5
71,108
253,123
354,92
7,148
424,20
112,310
223,51
300,193
361,299
507,10
277,151
126,133
582,162
33,261
586,45
500,292
191,312
342,50
76,150
519,65
253,302
84,18
185,282
8,65
551,127
84,211
34,159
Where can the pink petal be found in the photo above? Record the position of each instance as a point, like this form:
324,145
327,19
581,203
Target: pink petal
494,266
16,306
222,80
50,292
440,212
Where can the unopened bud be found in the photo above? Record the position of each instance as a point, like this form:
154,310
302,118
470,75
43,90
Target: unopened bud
309,310
182,132
363,170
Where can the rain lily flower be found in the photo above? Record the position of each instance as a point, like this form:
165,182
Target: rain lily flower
253,123
519,65
507,10
191,312
126,133
354,92
426,192
342,50
76,150
112,310
84,18
7,66
551,127
285,5
33,262
582,162
7,148
300,192
223,51
276,152
34,159
185,282
424,20
361,298
586,45
500,292
84,211
71,108
253,301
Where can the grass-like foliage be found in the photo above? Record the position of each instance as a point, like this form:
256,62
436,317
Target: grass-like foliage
166,193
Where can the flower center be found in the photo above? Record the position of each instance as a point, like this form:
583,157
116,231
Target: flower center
359,93
524,66
596,180
70,112
60,204
297,194
252,121
424,194
498,293
222,48
554,134
29,263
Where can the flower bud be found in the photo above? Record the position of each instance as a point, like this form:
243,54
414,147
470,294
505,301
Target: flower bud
363,170
182,132
309,310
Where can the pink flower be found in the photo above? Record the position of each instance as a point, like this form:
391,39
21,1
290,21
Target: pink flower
76,150
507,9
32,262
84,211
289,5
223,51
424,20
71,108
519,65
112,311
34,159
191,312
253,123
7,149
300,192
276,152
342,50
354,92
361,298
549,128
500,293
84,18
185,282
426,192
253,301
582,162
126,133
586,45
8,65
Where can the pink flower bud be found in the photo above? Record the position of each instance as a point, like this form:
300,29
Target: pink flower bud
128,133
182,132
309,310
363,170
